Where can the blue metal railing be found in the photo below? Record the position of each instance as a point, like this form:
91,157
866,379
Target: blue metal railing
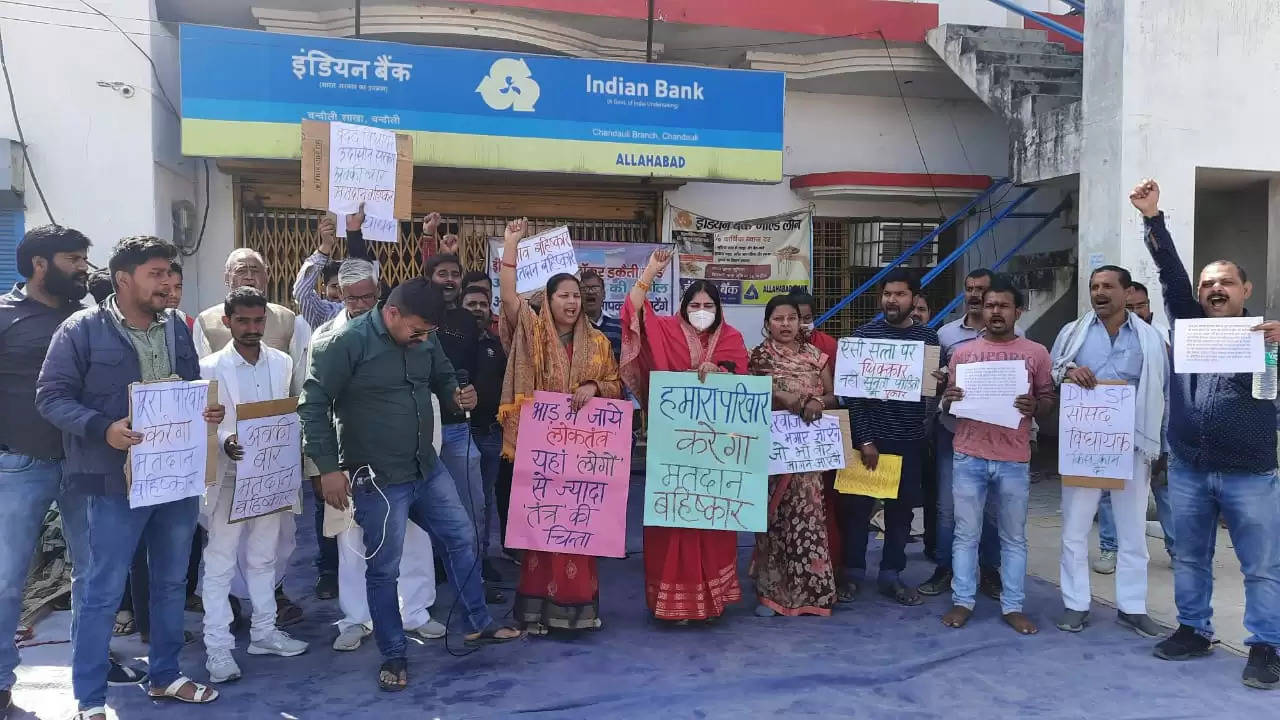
875,279
941,315
1042,20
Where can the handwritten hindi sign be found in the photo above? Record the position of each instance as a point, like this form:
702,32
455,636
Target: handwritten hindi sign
619,265
989,391
1218,345
880,369
571,476
879,483
177,456
542,256
708,451
799,447
270,473
345,164
1096,434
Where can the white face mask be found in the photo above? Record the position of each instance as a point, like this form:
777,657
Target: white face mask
807,327
701,319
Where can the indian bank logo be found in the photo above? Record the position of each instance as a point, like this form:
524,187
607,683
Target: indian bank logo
509,86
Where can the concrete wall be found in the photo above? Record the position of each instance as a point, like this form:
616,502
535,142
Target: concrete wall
108,163
1232,225
1171,86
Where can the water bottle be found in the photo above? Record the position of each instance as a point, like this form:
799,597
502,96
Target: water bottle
1264,383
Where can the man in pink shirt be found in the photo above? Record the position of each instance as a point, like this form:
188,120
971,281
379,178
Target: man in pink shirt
997,458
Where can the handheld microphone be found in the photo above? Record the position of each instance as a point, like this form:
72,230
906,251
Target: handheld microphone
464,379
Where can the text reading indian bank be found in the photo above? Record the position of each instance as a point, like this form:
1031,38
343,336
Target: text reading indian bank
244,93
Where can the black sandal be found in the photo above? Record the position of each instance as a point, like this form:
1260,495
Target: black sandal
393,676
847,592
902,594
489,635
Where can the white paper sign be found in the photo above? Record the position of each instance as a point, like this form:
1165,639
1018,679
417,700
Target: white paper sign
1218,345
798,447
989,391
362,169
541,257
270,473
879,369
170,462
1095,431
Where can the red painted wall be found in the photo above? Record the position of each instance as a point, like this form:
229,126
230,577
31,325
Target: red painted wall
899,21
1075,22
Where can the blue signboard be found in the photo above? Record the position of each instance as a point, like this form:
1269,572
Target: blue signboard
244,93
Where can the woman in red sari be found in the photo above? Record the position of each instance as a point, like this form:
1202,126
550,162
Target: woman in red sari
557,350
689,574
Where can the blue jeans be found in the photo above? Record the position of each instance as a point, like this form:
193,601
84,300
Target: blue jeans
1250,503
1106,524
113,532
1012,480
432,503
489,443
989,546
27,488
461,458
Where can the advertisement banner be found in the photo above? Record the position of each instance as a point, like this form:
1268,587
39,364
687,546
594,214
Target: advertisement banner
749,260
244,93
619,265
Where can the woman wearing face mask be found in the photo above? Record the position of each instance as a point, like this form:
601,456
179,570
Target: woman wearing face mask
689,574
555,350
792,564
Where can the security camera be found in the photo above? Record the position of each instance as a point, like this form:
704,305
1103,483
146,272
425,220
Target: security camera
126,91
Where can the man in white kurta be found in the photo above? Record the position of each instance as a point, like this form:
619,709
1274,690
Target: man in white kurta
247,371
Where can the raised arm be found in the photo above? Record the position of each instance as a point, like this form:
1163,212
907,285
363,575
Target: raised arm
515,232
640,289
1179,297
313,308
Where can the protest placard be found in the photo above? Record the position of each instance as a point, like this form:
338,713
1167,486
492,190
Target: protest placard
619,265
270,473
541,257
317,174
879,369
802,447
989,391
1096,434
177,457
882,482
708,449
1218,345
571,476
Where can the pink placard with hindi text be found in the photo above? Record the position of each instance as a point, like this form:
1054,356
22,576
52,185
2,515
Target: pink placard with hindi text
571,476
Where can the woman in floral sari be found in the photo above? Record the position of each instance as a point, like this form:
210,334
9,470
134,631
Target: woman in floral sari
792,564
689,574
557,350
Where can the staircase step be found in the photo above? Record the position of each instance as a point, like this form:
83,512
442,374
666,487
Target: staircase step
973,44
1029,106
993,33
1010,95
994,57
1001,74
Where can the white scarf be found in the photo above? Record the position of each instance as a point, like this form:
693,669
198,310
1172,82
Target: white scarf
1151,383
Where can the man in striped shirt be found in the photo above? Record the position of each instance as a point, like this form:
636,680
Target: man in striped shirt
895,427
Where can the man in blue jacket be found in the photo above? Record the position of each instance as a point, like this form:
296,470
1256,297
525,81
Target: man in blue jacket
83,390
1222,459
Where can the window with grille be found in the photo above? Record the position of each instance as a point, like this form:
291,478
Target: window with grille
878,244
286,237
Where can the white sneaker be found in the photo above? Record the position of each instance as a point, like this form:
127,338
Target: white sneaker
432,630
221,666
351,638
1106,562
277,643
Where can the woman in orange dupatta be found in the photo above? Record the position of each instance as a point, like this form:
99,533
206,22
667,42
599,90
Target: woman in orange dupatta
555,350
792,564
689,574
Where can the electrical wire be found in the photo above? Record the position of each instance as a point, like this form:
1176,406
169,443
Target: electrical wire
22,138
942,214
154,70
204,221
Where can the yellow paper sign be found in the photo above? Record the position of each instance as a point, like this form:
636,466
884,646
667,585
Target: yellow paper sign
882,482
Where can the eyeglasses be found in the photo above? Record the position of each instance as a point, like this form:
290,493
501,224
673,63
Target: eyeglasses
359,299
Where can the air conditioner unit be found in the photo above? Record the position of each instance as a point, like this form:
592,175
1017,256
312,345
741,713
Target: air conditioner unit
878,244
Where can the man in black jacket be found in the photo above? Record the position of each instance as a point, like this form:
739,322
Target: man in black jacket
491,366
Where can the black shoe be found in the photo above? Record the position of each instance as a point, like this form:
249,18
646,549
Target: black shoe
989,583
1263,670
937,583
119,675
326,587
1185,644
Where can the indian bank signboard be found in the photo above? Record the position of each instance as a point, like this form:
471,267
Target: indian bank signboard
244,93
